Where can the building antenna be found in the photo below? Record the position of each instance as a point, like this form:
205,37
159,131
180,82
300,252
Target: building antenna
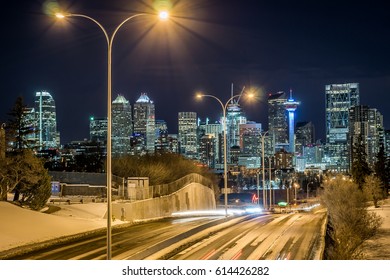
231,94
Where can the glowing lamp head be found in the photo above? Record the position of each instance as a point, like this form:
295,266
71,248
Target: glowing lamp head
59,15
163,15
251,95
199,95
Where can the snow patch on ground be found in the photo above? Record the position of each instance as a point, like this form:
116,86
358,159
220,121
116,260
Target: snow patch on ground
20,226
378,247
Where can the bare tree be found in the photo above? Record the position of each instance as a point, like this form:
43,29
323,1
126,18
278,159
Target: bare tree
373,187
349,222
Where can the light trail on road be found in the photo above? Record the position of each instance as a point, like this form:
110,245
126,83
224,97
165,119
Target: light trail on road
291,236
251,236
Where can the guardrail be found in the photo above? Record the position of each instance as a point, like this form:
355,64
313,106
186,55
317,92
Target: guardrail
141,193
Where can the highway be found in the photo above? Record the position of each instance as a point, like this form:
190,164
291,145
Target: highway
268,236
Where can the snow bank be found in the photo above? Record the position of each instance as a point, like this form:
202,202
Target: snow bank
378,247
19,226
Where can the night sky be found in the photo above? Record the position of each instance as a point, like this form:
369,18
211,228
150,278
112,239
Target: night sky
207,45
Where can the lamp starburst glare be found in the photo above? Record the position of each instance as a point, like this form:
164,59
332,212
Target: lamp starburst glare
163,15
59,15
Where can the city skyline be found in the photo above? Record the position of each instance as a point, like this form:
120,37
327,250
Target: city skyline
273,47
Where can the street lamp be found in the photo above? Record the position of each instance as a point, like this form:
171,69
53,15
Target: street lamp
163,15
224,108
270,181
258,187
277,180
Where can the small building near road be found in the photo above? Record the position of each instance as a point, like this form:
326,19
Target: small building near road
78,184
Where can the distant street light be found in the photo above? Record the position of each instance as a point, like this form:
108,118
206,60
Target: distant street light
163,15
296,186
224,108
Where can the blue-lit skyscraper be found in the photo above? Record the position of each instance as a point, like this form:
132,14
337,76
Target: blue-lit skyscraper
291,106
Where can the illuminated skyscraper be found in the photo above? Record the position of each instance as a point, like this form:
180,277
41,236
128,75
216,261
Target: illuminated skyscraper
291,106
207,150
161,136
98,130
46,120
366,128
214,130
339,98
188,137
234,118
173,143
304,136
30,122
121,126
277,120
386,142
250,137
144,121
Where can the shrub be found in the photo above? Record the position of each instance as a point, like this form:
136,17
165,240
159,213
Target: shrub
349,222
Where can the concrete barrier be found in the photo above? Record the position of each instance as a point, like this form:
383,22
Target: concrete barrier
194,196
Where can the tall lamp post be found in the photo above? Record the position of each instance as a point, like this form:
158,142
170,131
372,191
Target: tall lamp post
224,108
109,39
262,135
287,192
296,186
270,181
307,191
277,179
258,187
